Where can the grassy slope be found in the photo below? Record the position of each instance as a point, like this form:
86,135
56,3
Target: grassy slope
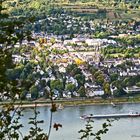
86,9
92,9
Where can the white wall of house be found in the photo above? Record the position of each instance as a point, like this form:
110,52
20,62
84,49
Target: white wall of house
93,93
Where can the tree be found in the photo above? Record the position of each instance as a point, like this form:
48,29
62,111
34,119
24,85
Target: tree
138,84
100,79
34,92
128,81
119,92
82,91
70,87
73,69
52,40
12,30
92,70
58,85
114,77
97,73
80,79
14,74
106,87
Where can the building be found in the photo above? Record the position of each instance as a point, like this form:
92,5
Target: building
94,91
133,89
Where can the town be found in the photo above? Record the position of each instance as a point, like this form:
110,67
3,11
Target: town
69,69
72,57
78,66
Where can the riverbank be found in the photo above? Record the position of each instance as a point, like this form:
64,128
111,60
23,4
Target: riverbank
75,102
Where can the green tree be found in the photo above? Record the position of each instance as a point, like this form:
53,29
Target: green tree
70,87
34,92
100,79
114,77
58,85
80,79
138,84
106,87
11,32
82,91
52,40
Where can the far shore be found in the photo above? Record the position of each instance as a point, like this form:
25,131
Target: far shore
74,102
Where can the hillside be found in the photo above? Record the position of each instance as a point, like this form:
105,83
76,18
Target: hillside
89,9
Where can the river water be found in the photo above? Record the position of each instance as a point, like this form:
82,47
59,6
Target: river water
122,129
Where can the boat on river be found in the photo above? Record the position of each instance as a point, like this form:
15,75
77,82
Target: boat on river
125,115
60,106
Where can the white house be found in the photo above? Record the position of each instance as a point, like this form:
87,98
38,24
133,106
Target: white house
91,92
94,42
62,69
133,89
68,41
17,58
78,41
28,96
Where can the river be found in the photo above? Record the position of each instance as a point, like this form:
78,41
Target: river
122,129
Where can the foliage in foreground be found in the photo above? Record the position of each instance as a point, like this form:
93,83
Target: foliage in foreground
88,132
